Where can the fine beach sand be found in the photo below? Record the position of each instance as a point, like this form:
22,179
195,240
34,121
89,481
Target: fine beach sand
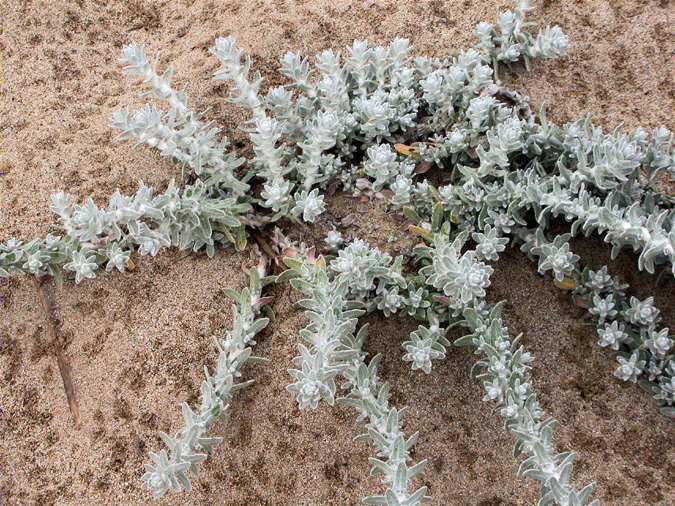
137,342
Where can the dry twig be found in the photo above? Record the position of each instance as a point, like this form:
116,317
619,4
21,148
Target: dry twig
58,344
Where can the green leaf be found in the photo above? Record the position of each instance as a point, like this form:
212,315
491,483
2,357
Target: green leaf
240,243
437,217
232,294
292,263
412,215
269,313
464,341
668,411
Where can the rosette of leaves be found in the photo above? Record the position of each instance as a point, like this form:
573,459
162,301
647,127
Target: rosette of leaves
459,276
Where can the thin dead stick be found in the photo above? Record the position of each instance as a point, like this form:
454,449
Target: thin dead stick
264,245
182,257
267,250
58,346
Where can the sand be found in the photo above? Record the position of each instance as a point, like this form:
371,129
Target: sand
137,342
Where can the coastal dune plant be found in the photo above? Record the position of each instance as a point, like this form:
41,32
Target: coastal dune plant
472,169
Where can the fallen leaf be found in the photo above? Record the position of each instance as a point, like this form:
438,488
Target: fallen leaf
423,168
580,302
422,232
566,283
404,149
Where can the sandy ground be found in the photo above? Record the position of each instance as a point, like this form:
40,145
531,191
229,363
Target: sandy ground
137,341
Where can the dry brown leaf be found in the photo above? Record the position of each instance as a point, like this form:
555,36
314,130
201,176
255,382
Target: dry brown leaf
423,168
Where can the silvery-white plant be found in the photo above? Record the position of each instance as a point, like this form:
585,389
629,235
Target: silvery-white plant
459,276
645,351
365,268
309,206
502,169
505,365
504,372
508,41
181,134
95,237
641,224
554,256
624,323
426,344
520,409
489,243
171,470
309,132
335,350
383,166
334,240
